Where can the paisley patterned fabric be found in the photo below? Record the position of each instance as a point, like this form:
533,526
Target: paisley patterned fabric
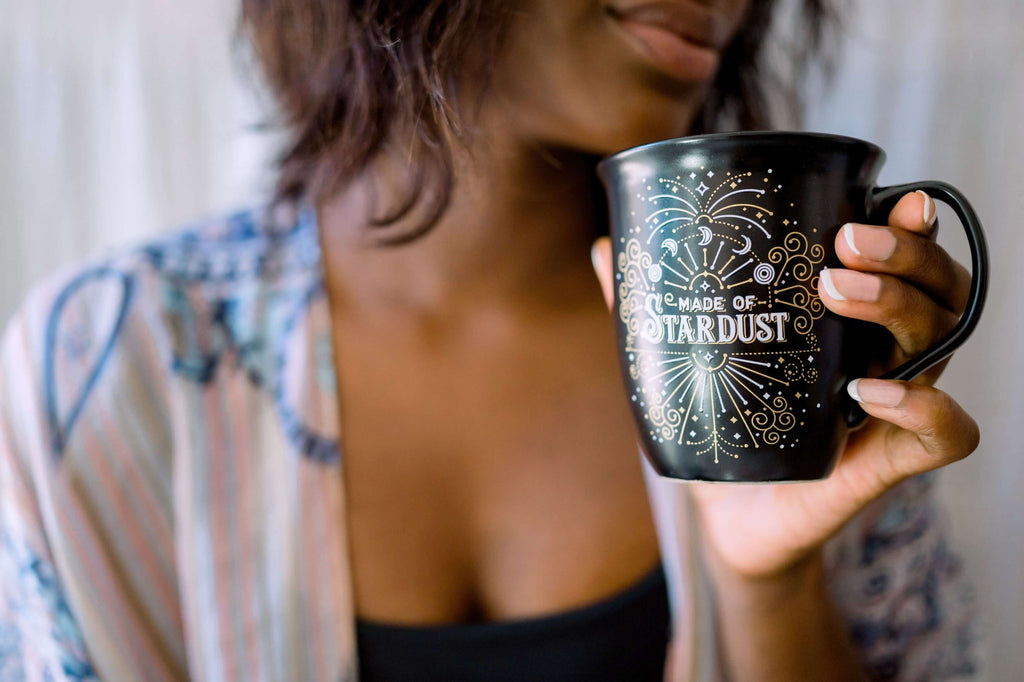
172,505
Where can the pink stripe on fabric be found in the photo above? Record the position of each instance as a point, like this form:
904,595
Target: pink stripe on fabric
216,455
198,626
315,541
156,373
239,419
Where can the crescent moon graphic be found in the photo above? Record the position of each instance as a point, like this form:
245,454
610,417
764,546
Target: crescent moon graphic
672,245
745,248
705,236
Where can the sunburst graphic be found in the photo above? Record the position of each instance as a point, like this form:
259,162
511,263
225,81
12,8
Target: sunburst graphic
703,206
713,243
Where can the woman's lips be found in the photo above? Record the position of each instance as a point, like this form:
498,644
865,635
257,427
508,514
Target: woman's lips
678,38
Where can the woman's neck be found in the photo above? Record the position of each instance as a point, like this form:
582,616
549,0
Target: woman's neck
517,232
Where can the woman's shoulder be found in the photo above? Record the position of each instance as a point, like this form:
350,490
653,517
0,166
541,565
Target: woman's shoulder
121,323
267,246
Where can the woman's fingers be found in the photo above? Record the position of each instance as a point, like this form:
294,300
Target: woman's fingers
898,277
900,252
910,315
932,429
601,257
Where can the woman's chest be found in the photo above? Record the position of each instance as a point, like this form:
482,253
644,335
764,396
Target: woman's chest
492,485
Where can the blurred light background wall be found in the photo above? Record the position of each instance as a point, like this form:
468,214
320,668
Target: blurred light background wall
117,118
121,118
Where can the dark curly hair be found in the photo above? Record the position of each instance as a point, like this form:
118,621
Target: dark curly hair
345,73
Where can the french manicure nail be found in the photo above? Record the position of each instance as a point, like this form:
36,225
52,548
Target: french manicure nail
929,208
826,281
877,391
850,285
848,233
593,256
851,388
871,243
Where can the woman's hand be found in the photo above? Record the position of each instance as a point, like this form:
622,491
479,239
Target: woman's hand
898,277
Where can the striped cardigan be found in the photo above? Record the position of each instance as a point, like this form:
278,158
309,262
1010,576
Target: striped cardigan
171,498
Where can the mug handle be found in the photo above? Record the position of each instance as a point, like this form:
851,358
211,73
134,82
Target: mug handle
881,201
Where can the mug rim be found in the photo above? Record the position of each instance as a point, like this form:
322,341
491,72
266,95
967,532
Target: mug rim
749,135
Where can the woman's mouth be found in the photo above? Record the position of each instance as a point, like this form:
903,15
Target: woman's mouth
679,38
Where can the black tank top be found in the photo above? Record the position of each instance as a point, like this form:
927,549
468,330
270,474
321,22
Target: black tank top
623,637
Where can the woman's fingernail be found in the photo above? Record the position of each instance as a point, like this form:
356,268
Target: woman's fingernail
877,392
848,233
851,388
593,255
843,285
872,243
929,208
826,281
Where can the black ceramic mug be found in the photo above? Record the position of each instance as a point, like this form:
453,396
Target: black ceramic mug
735,369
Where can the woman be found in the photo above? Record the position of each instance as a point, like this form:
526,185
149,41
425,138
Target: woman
419,306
